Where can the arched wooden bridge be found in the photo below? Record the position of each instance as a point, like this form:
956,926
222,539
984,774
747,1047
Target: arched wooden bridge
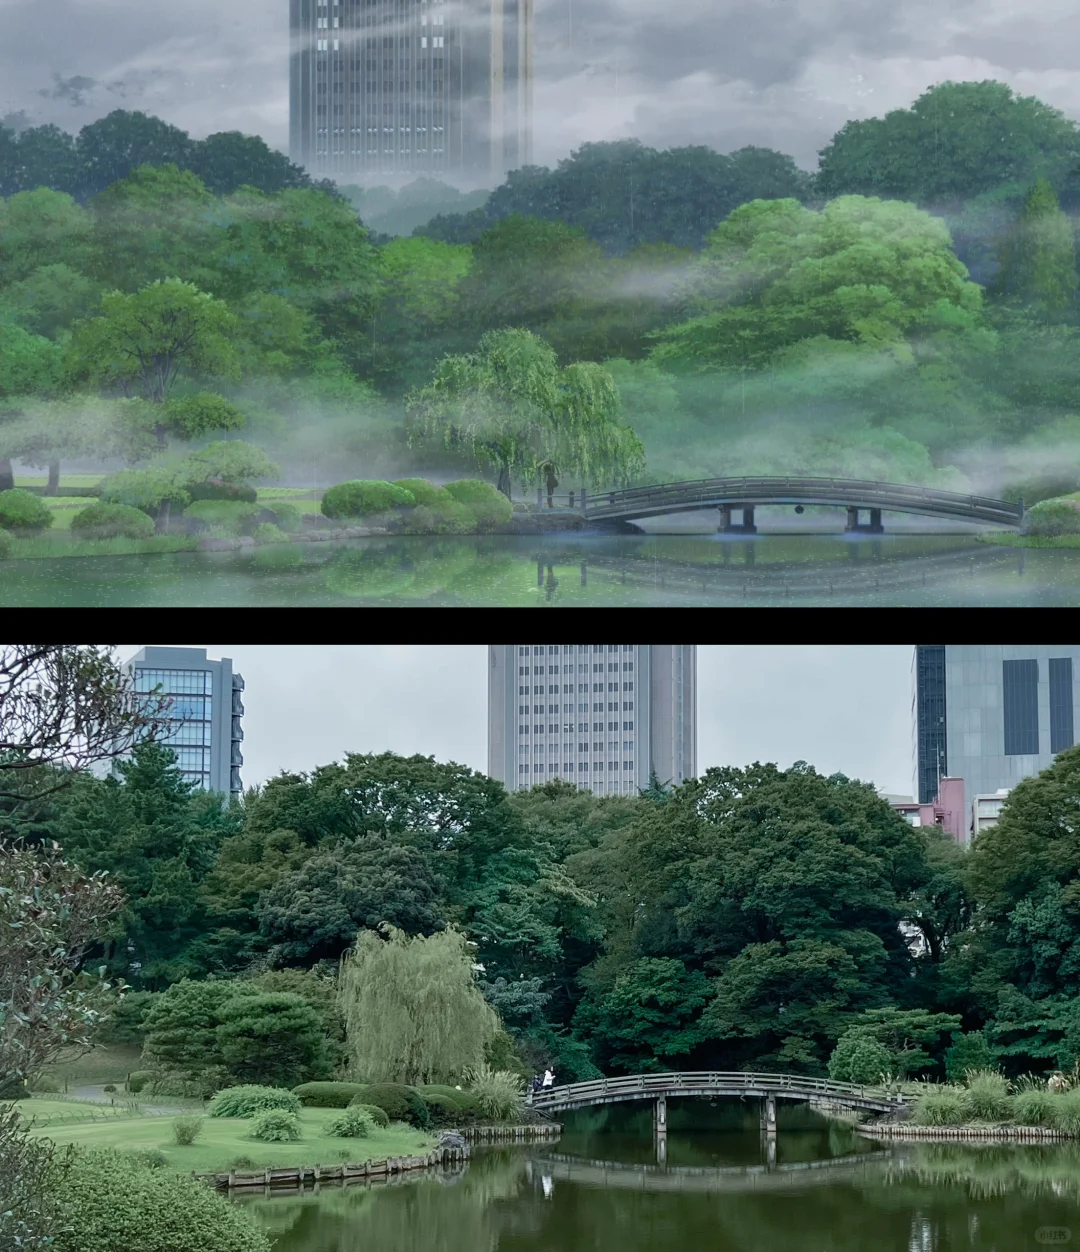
745,494
711,1084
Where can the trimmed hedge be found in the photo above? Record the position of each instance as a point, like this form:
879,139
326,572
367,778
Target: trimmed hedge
377,1115
400,1103
444,1111
363,497
488,505
1053,517
19,510
250,1099
328,1095
111,521
422,491
113,1202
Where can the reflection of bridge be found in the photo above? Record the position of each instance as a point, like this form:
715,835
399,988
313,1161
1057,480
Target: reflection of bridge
771,1177
768,1088
745,494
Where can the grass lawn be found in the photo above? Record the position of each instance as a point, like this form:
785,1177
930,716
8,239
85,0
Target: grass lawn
1009,540
224,1139
55,1111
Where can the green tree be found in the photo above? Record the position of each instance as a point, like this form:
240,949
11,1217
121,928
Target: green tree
230,461
229,159
956,140
274,1038
413,1011
49,299
40,156
153,490
509,405
859,1057
110,148
42,227
1038,258
180,1030
968,1052
912,1037
314,913
143,341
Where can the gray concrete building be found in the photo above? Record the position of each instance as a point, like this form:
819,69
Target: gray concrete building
603,716
991,714
385,88
207,712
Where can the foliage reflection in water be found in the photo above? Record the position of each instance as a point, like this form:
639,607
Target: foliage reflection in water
919,1198
568,571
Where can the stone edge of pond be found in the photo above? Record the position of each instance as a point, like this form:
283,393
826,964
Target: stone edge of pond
957,1134
300,1176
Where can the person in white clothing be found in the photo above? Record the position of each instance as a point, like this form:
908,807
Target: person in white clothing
549,1078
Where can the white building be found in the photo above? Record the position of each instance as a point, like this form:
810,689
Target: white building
603,716
986,809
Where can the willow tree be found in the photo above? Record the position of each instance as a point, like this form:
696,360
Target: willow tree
413,1012
1038,257
511,406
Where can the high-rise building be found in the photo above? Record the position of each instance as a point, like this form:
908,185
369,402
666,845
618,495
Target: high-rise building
407,87
604,716
991,714
206,709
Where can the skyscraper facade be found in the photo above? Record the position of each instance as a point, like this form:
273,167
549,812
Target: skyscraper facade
991,714
409,87
603,716
207,710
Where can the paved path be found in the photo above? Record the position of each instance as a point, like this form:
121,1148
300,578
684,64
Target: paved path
98,1095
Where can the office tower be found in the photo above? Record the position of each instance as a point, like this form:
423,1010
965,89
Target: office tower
991,714
601,715
410,87
206,711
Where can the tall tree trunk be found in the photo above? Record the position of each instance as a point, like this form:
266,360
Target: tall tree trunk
162,524
7,474
504,480
53,486
160,433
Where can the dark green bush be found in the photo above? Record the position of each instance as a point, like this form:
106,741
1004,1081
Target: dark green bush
211,489
487,504
288,515
111,521
226,516
1053,517
377,1115
250,1099
328,1095
23,511
443,1110
400,1103
421,490
138,1079
5,545
276,1126
364,497
114,1203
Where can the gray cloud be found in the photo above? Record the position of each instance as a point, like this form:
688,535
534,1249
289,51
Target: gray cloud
781,73
843,709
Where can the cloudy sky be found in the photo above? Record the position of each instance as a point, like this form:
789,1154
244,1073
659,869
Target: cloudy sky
781,73
842,709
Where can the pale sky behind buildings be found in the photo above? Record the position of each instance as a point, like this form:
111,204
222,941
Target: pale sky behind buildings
784,74
842,708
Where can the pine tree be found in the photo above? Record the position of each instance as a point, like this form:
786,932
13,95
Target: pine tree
1038,259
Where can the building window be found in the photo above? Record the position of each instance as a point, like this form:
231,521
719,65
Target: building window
1020,698
1061,704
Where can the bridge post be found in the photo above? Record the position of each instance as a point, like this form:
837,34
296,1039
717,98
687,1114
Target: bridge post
876,527
725,518
748,520
768,1115
852,519
660,1129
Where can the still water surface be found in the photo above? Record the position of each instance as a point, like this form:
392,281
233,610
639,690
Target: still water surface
558,571
597,1190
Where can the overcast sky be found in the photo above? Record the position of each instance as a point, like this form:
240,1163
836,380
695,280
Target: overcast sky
781,73
844,708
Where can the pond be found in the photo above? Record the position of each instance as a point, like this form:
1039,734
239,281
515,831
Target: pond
572,571
599,1190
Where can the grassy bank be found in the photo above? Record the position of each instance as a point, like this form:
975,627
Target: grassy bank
61,544
1031,541
224,1141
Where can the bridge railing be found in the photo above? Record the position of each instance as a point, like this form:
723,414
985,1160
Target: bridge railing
698,1081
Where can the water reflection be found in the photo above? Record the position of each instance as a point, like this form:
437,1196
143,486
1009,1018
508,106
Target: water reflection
566,571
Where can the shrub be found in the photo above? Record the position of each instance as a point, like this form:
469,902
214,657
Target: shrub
109,1087
151,1158
1053,517
328,1095
488,505
444,1111
423,492
5,545
23,511
112,521
243,1162
212,489
400,1103
138,1079
499,1093
363,497
987,1097
186,1130
1065,1112
354,1122
377,1115
447,517
940,1108
250,1099
267,532
112,1203
276,1126
288,515
1035,1107
226,516
869,1062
